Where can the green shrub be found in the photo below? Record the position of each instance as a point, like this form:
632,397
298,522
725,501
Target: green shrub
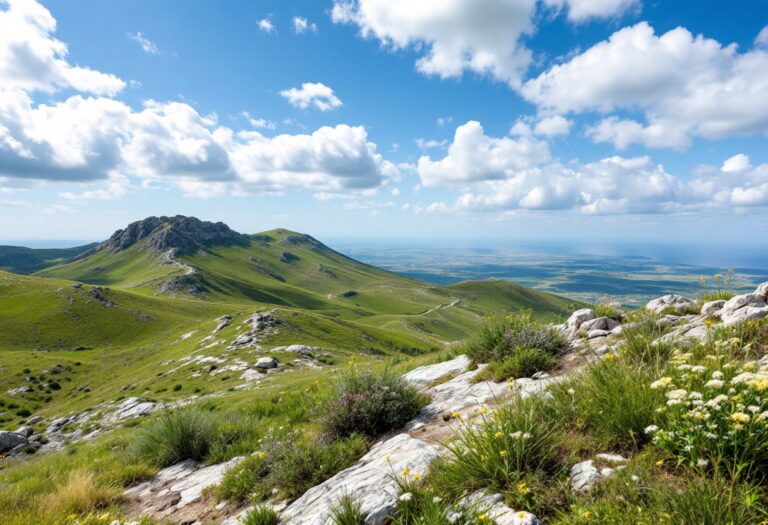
370,403
500,338
261,516
715,415
722,287
347,511
607,308
611,400
186,433
641,341
523,363
291,463
518,439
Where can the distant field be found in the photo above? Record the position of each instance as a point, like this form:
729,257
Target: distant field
631,280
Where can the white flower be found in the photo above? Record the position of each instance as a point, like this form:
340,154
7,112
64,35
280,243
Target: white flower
453,517
754,409
717,374
571,391
673,402
695,395
680,393
437,499
714,383
702,463
406,496
698,369
650,429
516,435
526,436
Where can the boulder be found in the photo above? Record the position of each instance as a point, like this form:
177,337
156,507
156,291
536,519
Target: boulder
131,408
492,505
34,419
597,333
762,291
743,307
677,302
25,431
11,440
424,375
266,363
579,317
599,323
712,308
370,482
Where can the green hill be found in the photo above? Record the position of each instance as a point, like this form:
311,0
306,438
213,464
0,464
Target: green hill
18,259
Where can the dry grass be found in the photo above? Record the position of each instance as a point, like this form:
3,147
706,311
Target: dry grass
81,494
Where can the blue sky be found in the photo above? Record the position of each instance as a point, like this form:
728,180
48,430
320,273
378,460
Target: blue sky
433,119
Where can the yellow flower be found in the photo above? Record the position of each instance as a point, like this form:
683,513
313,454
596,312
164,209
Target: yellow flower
497,435
522,515
406,472
709,322
659,462
522,488
416,477
484,410
586,514
482,517
483,458
609,357
740,417
455,415
72,517
503,453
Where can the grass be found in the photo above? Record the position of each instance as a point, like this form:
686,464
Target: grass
524,362
718,287
81,494
261,516
641,341
347,511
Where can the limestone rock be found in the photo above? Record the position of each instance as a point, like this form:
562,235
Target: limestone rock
762,291
599,323
584,476
579,317
677,302
266,363
131,408
424,375
369,481
743,307
492,505
712,308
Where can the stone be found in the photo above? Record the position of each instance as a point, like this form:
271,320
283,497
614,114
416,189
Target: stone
712,308
23,389
762,291
131,408
25,431
11,440
677,302
540,376
599,323
584,476
266,363
578,317
252,375
611,458
34,420
424,375
191,487
597,333
492,505
369,481
742,308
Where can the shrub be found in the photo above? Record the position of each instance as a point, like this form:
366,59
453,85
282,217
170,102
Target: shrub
81,494
347,511
715,415
514,441
523,363
186,433
291,463
500,338
610,399
607,308
370,403
261,516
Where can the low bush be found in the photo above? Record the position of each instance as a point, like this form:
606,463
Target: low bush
499,449
523,363
714,415
641,341
370,403
291,463
605,307
347,511
500,338
81,494
186,433
611,400
261,516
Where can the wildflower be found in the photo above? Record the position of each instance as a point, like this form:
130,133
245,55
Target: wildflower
740,417
709,322
416,477
503,453
661,383
482,517
497,435
609,357
526,435
660,463
571,391
437,499
516,435
522,514
680,393
483,458
455,415
702,463
406,497
717,374
650,429
405,472
522,488
714,383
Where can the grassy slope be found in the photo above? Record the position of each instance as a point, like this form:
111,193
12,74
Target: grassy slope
19,259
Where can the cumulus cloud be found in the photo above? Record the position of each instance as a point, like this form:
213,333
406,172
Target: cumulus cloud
501,174
552,126
583,10
430,143
481,36
762,37
31,59
687,86
146,45
474,156
302,25
312,94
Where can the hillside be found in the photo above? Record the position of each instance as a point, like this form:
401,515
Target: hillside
18,259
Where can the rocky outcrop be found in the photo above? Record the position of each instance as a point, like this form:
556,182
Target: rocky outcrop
494,508
744,307
183,235
11,440
672,302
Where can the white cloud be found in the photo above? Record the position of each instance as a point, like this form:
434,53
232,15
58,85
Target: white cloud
762,37
266,25
31,59
395,192
500,174
553,126
583,10
686,86
312,94
146,45
736,164
442,121
57,209
115,187
474,156
431,143
455,36
302,25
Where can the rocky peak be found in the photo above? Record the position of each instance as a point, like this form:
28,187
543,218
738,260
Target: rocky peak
184,235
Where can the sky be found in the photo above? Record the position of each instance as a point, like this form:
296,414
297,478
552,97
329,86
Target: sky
599,120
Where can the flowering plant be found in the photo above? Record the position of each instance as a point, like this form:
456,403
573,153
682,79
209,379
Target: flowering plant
716,412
